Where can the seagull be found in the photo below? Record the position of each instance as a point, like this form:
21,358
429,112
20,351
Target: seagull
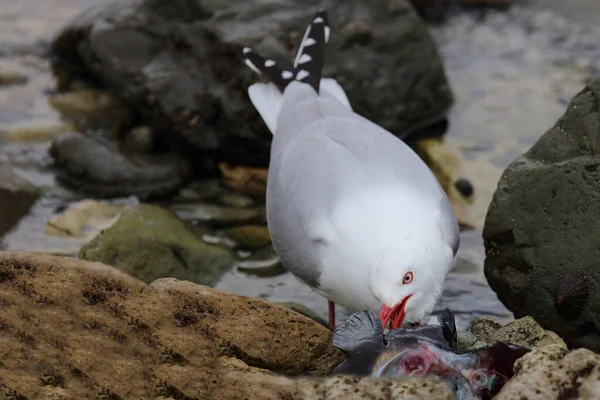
353,211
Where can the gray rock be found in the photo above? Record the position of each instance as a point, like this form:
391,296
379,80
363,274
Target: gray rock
17,195
149,243
542,227
99,167
176,62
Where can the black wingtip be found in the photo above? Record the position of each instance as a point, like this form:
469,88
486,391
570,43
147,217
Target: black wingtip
263,66
309,61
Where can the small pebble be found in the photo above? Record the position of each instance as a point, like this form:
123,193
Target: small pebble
464,187
235,200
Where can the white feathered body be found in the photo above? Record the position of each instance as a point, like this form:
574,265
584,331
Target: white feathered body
344,194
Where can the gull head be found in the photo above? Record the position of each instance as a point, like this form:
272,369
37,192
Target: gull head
408,280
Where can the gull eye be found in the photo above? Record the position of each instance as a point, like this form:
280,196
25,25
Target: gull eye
408,278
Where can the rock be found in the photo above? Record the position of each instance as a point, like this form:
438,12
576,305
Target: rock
217,215
540,229
92,331
523,332
551,372
35,131
353,388
485,328
17,195
252,181
242,322
98,167
91,108
85,218
464,187
261,385
183,74
250,236
307,312
149,242
527,333
232,199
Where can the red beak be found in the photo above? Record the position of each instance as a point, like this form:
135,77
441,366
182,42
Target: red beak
394,315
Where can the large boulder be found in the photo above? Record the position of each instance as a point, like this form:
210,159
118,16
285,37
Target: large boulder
176,63
543,224
72,329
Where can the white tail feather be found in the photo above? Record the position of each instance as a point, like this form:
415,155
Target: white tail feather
330,87
267,99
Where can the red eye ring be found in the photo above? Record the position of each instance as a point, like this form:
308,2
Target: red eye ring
408,278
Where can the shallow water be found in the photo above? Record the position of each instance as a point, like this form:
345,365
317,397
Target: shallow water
512,74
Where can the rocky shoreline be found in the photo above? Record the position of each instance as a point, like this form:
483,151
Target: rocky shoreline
77,329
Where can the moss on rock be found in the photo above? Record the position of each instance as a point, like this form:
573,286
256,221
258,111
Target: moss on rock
149,243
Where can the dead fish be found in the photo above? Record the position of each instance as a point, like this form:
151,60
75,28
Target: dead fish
429,350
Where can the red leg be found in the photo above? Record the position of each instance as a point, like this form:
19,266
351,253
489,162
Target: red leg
414,324
331,315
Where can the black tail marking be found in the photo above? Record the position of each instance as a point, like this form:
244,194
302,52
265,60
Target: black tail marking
259,64
309,59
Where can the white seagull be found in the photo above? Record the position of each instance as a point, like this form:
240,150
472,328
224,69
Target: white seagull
353,211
